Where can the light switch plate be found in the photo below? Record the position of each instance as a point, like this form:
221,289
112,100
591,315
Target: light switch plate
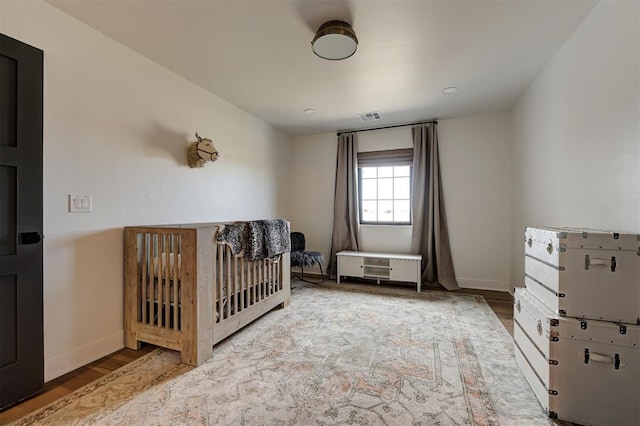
79,203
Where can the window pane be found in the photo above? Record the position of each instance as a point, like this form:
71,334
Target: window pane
385,211
369,211
368,172
385,189
385,194
401,171
385,171
369,189
401,188
402,211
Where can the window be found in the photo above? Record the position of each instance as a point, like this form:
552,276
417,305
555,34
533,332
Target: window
384,179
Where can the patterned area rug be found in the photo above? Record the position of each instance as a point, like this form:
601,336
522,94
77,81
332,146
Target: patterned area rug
331,357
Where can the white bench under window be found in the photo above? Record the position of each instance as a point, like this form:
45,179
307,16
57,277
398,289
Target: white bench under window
380,266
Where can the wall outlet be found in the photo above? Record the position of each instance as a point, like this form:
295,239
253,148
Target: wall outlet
79,203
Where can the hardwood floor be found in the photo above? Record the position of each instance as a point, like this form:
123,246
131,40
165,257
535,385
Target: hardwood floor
501,303
68,383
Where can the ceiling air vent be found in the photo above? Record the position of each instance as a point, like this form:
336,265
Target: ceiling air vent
367,116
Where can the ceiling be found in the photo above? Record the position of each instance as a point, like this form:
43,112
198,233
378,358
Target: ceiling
256,54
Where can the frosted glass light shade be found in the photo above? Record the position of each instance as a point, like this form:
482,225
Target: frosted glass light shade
335,40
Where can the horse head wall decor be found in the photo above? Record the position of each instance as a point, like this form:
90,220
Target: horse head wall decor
201,151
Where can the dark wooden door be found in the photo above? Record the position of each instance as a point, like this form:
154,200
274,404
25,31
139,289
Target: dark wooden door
21,328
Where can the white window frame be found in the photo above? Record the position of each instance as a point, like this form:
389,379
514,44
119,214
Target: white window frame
391,158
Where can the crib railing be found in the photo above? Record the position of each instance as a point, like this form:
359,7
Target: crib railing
160,271
245,289
186,291
243,283
163,304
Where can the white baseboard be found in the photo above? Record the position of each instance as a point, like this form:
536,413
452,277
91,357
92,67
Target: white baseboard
481,284
61,364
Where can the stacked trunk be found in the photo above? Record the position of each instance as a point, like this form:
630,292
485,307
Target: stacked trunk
577,324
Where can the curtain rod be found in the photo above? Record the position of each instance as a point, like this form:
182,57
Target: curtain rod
387,127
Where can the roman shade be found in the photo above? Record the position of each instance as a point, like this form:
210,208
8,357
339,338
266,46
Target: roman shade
391,157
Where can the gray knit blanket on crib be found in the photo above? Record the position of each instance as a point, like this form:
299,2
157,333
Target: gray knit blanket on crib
258,239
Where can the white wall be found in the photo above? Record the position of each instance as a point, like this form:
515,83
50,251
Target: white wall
576,155
313,176
475,169
474,155
116,127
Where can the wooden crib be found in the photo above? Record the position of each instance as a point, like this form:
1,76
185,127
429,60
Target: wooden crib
186,291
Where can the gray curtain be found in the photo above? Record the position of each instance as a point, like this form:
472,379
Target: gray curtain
430,236
346,220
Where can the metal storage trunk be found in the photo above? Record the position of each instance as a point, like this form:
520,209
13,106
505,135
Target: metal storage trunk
585,273
583,371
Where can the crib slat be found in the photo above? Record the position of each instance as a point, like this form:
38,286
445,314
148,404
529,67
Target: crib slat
276,279
278,273
273,277
270,268
161,276
220,278
167,286
159,298
263,281
145,275
228,281
254,282
157,294
235,285
153,249
242,284
153,297
152,278
267,278
176,280
156,305
257,280
216,285
165,280
248,284
265,267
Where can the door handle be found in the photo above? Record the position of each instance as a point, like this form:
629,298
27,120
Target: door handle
30,238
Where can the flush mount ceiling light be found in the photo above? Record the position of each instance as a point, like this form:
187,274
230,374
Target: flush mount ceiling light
450,90
335,40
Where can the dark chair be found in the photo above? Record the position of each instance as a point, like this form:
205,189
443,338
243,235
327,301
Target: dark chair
301,257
